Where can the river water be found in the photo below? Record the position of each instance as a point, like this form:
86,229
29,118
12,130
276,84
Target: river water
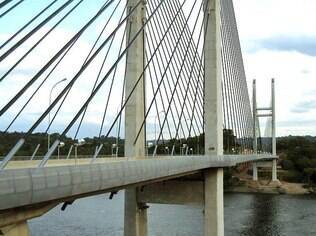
245,214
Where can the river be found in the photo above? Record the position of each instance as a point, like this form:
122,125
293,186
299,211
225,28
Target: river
245,214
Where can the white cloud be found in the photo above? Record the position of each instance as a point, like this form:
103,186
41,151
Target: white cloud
294,72
262,19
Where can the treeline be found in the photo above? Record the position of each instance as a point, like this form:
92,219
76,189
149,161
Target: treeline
191,145
297,153
7,140
298,157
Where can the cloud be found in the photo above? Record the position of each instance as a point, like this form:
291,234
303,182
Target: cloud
297,123
303,44
265,19
277,45
304,107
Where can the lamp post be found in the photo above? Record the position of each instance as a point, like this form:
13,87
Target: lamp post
61,144
114,150
184,149
50,102
81,142
149,145
167,150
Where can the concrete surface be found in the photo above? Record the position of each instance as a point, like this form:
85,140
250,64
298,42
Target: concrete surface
22,187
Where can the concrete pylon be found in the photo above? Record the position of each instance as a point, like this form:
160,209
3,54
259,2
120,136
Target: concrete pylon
254,171
255,138
213,189
274,162
135,218
18,229
256,115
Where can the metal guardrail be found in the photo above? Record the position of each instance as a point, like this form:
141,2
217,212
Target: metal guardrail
55,157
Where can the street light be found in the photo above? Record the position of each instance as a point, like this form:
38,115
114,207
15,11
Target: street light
167,150
114,150
60,145
81,142
149,145
50,102
184,148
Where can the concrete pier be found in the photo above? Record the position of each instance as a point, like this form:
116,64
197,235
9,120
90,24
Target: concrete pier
135,219
274,162
256,116
255,140
213,183
254,171
18,229
214,203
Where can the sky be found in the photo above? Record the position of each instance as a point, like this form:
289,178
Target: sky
67,69
278,40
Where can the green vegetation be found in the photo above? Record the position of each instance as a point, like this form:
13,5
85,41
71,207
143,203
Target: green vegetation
298,158
7,140
194,145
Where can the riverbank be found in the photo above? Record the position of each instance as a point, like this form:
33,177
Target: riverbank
247,185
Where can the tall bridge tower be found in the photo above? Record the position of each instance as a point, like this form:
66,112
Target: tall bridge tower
135,212
135,219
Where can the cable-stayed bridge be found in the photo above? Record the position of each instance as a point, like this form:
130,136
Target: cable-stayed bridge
166,77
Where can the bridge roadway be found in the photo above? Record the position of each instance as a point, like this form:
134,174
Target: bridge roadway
26,187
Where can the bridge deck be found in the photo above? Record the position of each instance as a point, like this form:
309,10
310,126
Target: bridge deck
21,164
30,186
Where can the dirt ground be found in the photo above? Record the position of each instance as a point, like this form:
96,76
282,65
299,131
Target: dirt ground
244,183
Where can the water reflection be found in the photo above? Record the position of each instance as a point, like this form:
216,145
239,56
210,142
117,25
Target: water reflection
245,214
262,221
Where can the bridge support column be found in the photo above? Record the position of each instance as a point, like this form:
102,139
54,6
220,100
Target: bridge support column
135,218
256,115
274,171
18,229
254,171
214,203
135,221
213,193
255,139
274,162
